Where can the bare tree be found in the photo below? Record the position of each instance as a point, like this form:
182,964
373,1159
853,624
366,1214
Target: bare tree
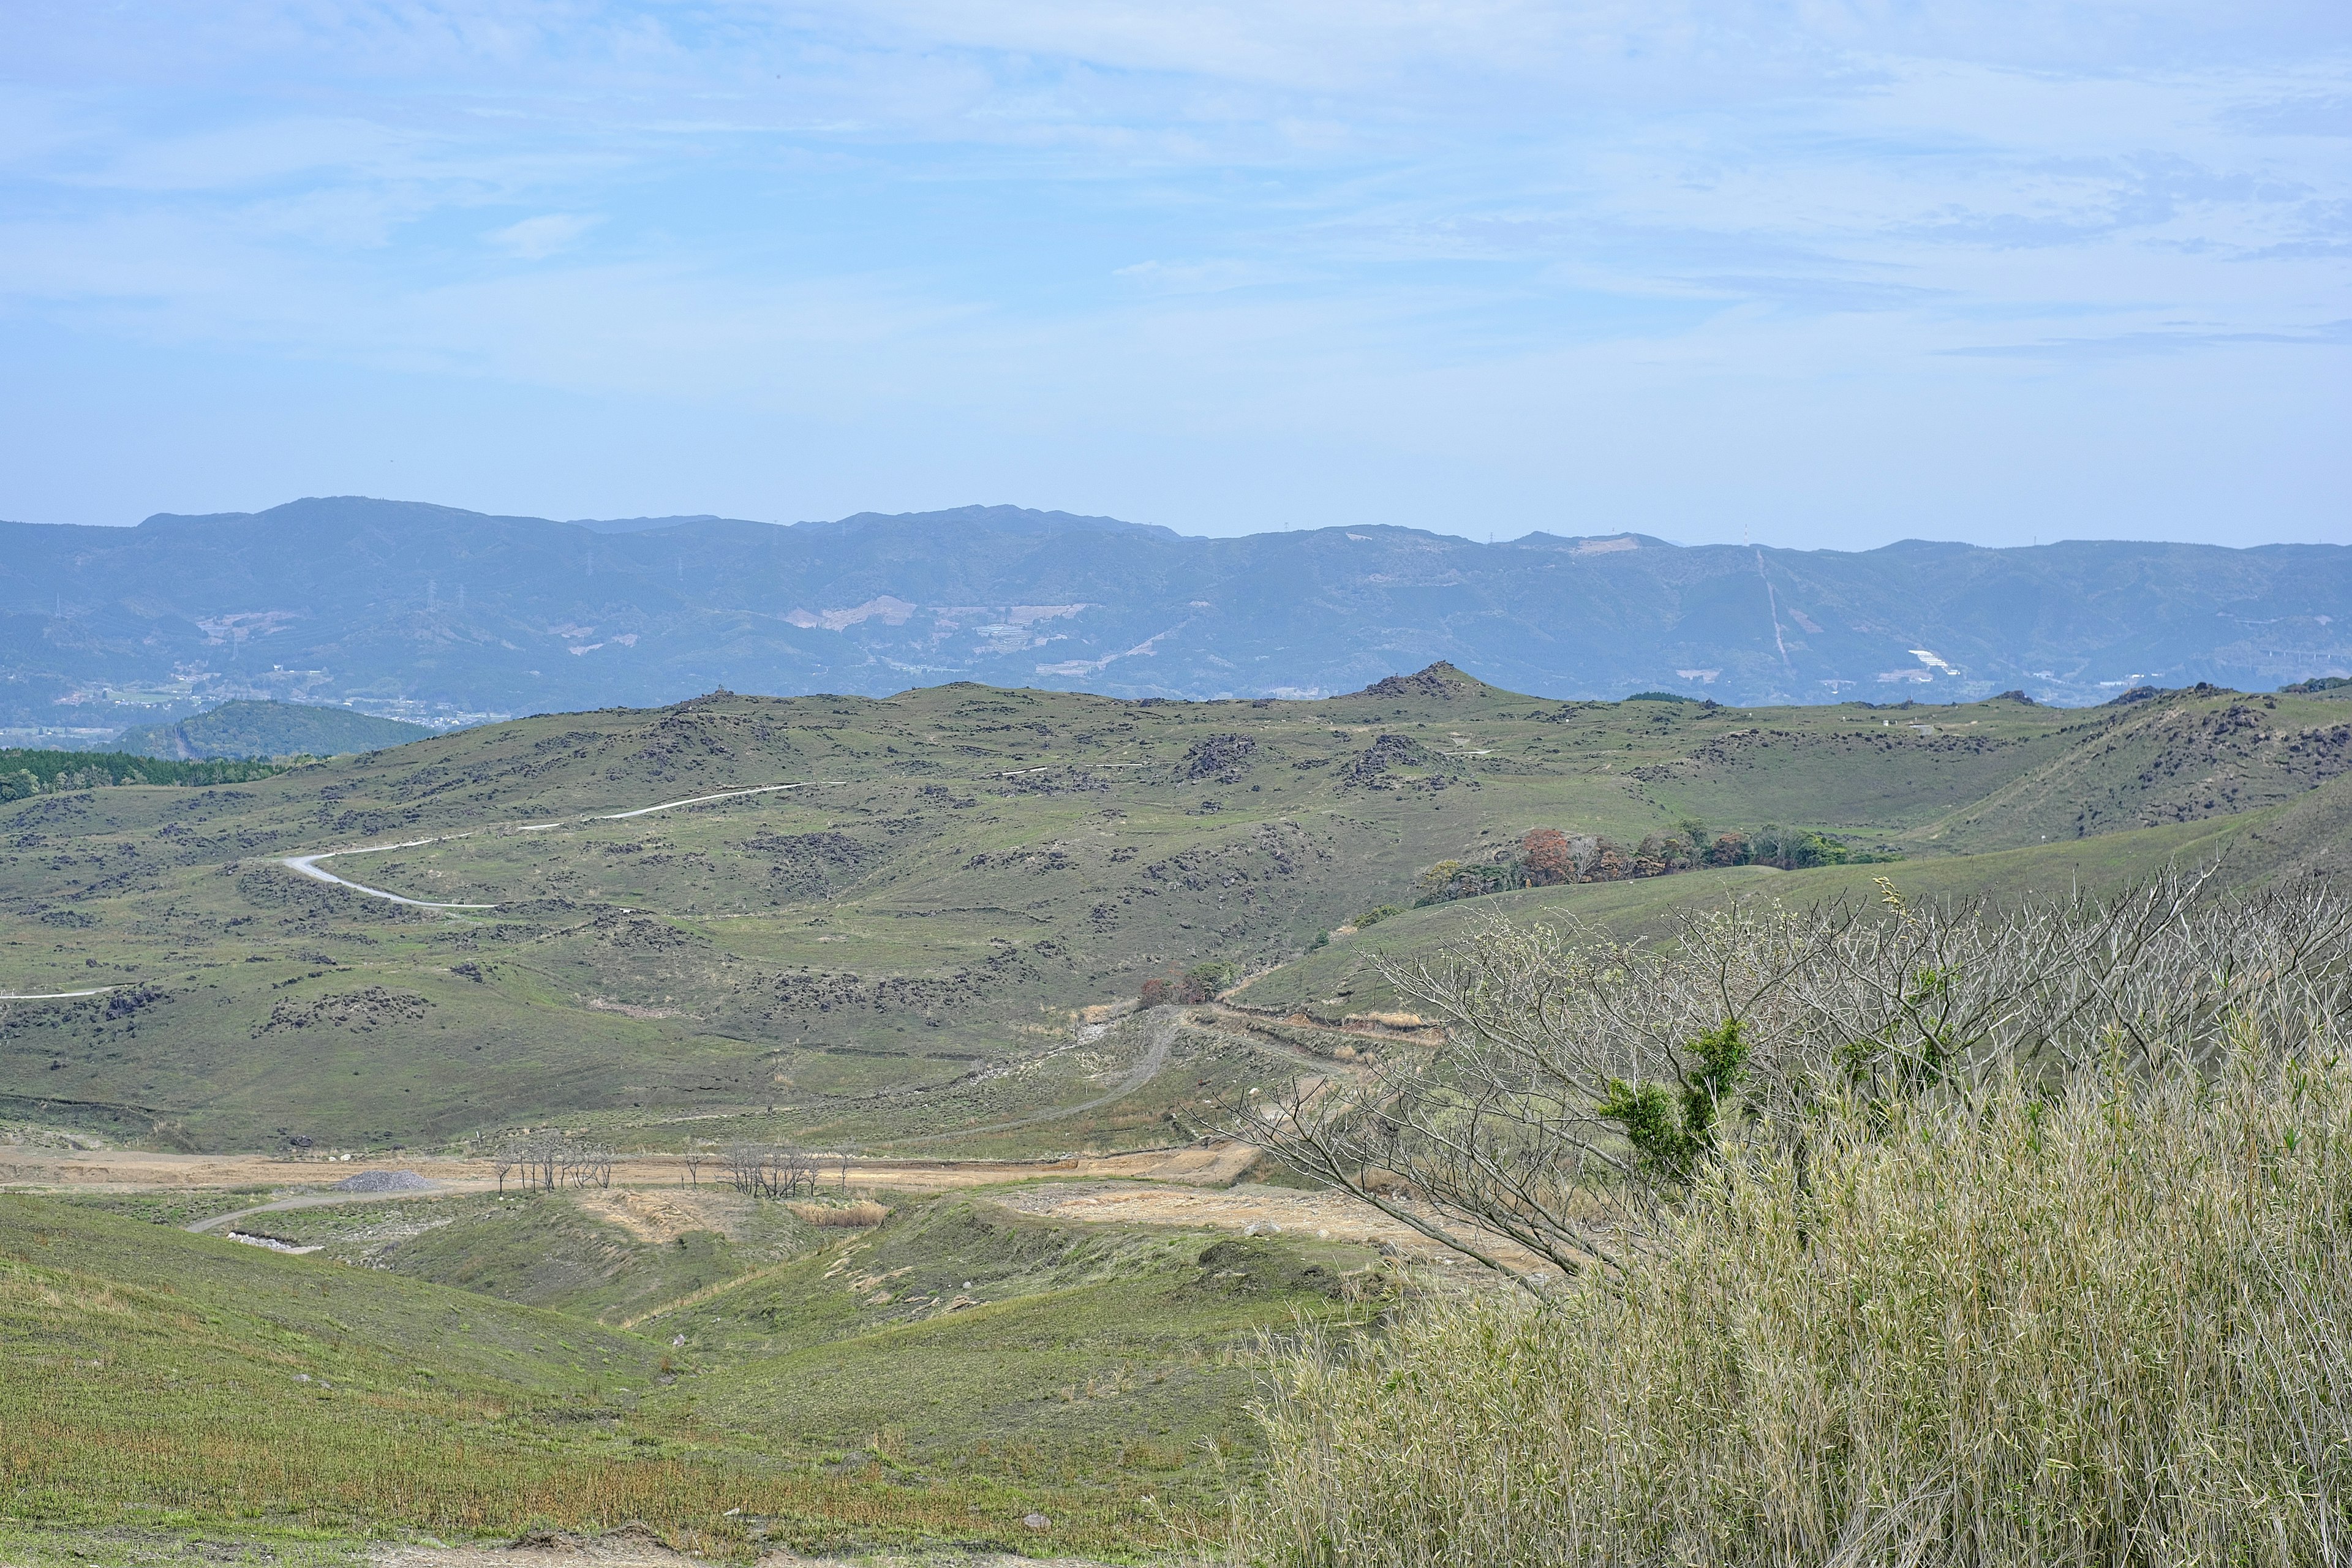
546,1150
585,1162
1584,1079
770,1170
543,1159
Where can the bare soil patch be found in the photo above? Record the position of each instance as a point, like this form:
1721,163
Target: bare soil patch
637,1547
1210,1164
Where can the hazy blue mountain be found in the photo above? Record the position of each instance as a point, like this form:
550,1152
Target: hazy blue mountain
251,728
643,524
419,610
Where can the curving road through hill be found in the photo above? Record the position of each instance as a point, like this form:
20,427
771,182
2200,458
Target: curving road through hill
1161,1041
308,864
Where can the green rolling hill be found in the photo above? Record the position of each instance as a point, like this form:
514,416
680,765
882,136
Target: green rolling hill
167,1387
926,936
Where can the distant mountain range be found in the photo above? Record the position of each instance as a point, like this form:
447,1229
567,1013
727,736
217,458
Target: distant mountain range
429,613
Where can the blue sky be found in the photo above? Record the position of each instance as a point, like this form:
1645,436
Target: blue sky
1823,274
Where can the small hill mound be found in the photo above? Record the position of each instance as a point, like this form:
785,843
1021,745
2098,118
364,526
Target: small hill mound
249,729
1439,681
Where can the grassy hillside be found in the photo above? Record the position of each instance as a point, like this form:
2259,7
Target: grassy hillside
158,1374
606,1255
250,729
2256,847
161,1380
909,941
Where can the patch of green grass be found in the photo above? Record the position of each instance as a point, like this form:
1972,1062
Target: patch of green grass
964,1338
1342,978
175,1207
167,1383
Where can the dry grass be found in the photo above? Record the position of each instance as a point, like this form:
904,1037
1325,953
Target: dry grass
2099,1321
861,1216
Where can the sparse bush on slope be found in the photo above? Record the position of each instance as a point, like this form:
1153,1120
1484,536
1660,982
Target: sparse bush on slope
2076,1296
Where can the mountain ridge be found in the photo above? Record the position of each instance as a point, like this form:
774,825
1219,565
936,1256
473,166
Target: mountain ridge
423,612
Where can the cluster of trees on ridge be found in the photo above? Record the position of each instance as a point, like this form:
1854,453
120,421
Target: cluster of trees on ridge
1201,982
1549,857
25,773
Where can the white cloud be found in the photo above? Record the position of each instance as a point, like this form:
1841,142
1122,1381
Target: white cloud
537,239
1384,231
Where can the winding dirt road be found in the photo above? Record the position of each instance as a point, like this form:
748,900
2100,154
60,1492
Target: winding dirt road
308,864
1162,1041
138,1169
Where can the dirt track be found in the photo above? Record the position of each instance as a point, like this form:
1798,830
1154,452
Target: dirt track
1198,1164
630,1551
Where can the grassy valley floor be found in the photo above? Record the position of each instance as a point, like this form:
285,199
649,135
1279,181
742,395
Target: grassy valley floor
472,1366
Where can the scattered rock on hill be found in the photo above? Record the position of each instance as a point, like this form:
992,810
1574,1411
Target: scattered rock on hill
1439,679
359,1011
1385,753
1218,756
634,932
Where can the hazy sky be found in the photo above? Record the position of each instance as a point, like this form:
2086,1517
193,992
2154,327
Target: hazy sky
1832,273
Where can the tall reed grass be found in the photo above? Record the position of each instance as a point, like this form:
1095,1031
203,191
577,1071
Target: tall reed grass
2096,1318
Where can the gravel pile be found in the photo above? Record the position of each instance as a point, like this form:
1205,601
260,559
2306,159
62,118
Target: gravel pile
383,1181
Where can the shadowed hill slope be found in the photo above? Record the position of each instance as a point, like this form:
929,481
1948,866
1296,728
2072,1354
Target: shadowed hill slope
270,730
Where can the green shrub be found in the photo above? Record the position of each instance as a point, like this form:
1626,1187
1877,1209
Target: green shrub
1671,1129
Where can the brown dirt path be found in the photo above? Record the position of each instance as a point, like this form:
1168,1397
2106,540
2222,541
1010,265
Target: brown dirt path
634,1547
1202,1164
